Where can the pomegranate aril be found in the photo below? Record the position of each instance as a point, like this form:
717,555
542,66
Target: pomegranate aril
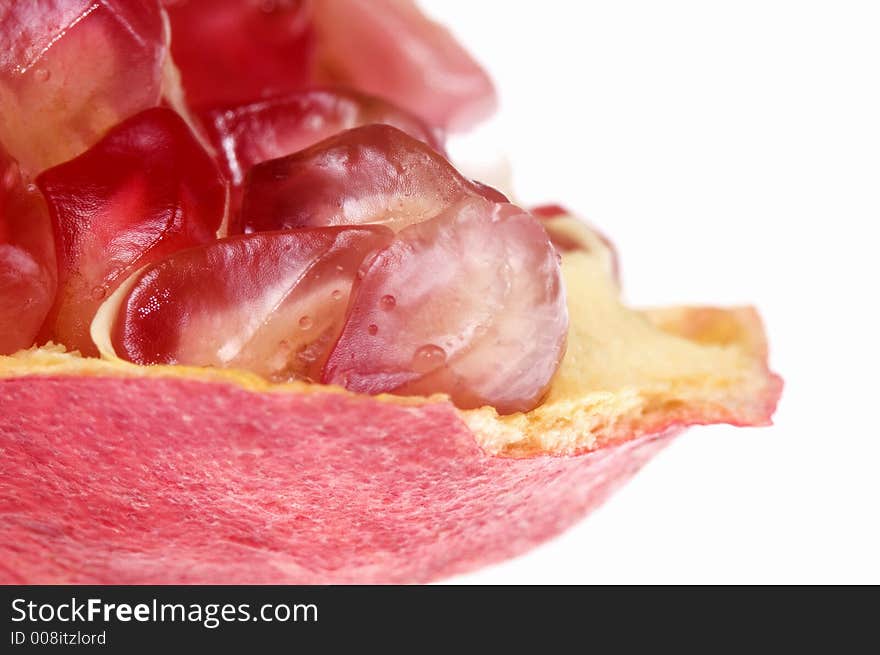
24,218
252,133
489,192
271,303
146,189
239,51
370,174
70,70
27,259
571,234
26,293
391,49
478,312
245,135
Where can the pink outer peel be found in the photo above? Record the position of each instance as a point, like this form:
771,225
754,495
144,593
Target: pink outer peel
165,480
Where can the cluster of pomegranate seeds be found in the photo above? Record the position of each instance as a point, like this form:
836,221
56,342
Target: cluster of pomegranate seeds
273,303
251,133
252,213
145,190
255,132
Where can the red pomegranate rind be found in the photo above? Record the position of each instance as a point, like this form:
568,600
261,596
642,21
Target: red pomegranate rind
70,70
144,191
470,303
391,49
369,174
239,51
200,482
27,259
256,132
270,303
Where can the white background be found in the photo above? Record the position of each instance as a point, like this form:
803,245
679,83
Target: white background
732,152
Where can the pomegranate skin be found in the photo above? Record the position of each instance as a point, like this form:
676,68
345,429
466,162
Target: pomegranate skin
166,480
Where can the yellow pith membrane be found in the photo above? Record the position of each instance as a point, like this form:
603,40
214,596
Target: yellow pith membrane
625,372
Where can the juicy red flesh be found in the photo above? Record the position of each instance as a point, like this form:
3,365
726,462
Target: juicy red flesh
469,303
69,70
370,174
272,303
239,51
27,263
360,256
144,191
391,49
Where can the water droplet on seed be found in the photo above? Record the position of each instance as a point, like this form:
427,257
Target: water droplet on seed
427,358
336,295
305,322
373,329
